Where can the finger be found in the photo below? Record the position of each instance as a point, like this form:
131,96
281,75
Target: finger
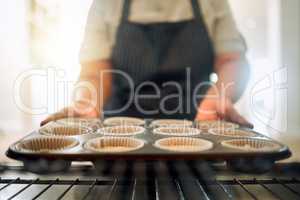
234,116
222,109
207,111
206,116
53,117
59,115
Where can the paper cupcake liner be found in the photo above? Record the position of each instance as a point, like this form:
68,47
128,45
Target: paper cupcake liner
122,130
46,144
124,121
171,123
183,144
82,122
251,144
114,144
206,125
64,130
177,131
232,133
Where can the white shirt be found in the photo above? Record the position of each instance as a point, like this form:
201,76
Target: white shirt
105,15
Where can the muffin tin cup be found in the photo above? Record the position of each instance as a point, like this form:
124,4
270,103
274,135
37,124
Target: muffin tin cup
124,121
78,121
183,144
236,133
223,125
55,129
251,145
113,144
93,123
46,144
171,123
176,131
121,130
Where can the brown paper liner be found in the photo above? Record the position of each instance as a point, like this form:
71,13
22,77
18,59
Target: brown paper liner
176,131
114,144
124,121
232,133
183,144
122,130
206,125
63,130
251,144
171,123
83,122
46,144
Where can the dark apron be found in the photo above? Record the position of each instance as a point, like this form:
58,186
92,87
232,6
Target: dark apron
168,55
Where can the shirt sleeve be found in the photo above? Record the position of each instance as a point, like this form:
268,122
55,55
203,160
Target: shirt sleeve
226,36
96,43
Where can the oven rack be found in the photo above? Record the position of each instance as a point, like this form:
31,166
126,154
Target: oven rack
153,185
152,180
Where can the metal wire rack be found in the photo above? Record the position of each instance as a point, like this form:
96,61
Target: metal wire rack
152,185
131,186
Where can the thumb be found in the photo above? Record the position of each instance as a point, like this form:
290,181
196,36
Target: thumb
234,116
59,115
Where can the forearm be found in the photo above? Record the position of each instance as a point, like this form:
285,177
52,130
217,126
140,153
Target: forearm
219,100
233,76
96,79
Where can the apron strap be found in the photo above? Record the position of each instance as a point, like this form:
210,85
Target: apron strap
197,10
126,10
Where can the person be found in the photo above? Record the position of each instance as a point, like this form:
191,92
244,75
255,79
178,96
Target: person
154,59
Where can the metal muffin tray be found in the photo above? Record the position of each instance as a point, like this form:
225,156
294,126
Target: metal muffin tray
150,151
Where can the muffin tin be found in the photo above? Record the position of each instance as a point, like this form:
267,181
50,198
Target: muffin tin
180,143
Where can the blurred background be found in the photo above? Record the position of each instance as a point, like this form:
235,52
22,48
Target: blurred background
38,34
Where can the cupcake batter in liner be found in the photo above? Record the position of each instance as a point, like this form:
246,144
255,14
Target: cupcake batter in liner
206,125
124,121
171,123
46,144
177,131
122,130
64,130
251,144
232,133
183,144
114,144
83,122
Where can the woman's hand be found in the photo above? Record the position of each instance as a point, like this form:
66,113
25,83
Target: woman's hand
78,109
218,104
88,105
220,108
